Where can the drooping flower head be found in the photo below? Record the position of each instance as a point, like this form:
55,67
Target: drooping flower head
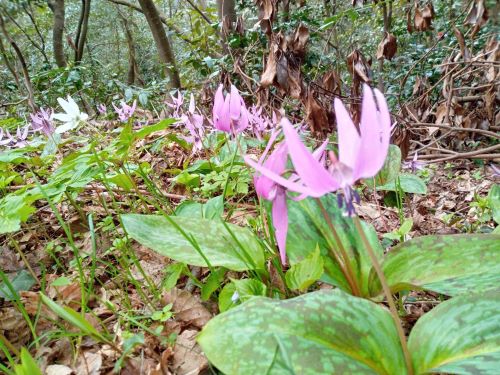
270,190
41,121
194,124
125,111
17,141
360,155
414,165
259,122
176,103
230,114
102,109
72,118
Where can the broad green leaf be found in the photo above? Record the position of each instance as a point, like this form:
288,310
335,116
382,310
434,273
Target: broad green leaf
494,198
307,228
226,300
147,130
460,336
213,208
173,271
74,318
409,184
20,282
248,288
9,224
449,264
212,283
304,273
324,332
195,241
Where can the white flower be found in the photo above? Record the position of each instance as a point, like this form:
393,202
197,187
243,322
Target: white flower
71,118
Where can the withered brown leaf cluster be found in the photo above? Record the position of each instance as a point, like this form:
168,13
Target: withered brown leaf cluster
387,47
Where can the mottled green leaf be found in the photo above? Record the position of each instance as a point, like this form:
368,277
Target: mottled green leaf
304,273
308,228
450,264
494,198
460,336
409,183
324,332
195,241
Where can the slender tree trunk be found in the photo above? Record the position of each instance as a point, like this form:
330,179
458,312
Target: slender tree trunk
133,69
24,66
81,34
165,52
227,12
57,7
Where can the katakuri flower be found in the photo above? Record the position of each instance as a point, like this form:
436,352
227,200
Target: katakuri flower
125,111
7,139
268,189
42,122
361,155
414,165
102,109
72,118
194,124
229,113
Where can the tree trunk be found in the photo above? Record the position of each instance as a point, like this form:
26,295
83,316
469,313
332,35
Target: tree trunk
57,7
81,34
161,40
227,13
133,69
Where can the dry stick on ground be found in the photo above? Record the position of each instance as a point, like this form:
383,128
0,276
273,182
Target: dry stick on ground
456,129
483,153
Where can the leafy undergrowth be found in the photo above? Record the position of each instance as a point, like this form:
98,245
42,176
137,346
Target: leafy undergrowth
126,248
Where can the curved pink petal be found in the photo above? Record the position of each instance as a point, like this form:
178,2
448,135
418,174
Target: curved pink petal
348,136
375,133
292,186
235,103
276,162
310,170
280,222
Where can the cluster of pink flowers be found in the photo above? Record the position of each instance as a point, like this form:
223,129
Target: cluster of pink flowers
360,155
124,111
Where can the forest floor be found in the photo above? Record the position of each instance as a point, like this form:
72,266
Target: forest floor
153,312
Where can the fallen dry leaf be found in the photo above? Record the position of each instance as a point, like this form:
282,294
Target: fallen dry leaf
188,357
187,308
58,370
89,363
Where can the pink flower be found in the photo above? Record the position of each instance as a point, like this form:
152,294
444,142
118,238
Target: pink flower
42,121
102,109
14,142
230,113
414,164
268,189
194,124
125,111
361,155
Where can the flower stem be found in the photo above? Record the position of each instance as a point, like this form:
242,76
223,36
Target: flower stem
388,295
345,265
